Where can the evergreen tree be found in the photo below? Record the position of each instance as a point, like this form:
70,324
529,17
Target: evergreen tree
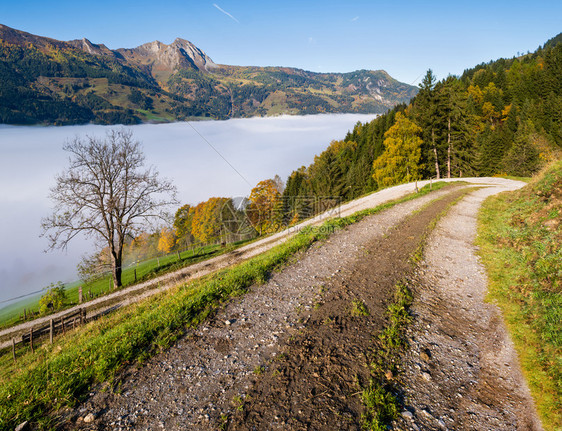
453,128
426,115
523,157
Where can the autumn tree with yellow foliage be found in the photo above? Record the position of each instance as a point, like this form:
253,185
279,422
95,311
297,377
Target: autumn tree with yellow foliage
264,211
182,224
402,150
167,240
207,219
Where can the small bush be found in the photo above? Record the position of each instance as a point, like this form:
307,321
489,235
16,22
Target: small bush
53,300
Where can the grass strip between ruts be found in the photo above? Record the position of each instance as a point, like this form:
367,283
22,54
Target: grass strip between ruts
381,405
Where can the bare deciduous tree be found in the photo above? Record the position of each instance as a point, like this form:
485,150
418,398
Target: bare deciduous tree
106,193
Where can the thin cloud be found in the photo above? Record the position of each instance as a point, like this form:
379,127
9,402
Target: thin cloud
225,12
354,19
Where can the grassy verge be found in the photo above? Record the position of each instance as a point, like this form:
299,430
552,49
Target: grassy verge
417,256
62,374
520,237
511,177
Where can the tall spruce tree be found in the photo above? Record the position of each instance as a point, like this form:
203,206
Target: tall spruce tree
426,116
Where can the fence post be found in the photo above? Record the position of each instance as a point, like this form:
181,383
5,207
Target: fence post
31,340
80,298
179,256
82,314
62,324
51,327
24,314
135,270
14,348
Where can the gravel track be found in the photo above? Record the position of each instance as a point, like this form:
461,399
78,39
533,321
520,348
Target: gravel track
461,371
191,385
151,287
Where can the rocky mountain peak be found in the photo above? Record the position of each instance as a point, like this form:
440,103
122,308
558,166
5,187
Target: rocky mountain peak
19,37
91,48
199,57
179,54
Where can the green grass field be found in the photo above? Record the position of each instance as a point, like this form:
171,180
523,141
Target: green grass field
9,315
13,313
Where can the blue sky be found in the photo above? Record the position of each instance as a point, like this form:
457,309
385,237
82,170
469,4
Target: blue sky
405,38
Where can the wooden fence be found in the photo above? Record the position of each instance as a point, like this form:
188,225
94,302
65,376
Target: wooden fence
50,329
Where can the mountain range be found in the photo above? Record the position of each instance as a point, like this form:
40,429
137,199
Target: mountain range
47,81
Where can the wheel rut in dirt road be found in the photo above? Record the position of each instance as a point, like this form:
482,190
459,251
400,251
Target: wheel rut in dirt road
315,383
191,385
461,370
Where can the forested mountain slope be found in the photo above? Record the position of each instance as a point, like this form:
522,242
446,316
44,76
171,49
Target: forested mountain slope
47,81
502,117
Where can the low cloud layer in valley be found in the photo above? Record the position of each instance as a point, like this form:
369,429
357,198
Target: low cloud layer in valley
258,148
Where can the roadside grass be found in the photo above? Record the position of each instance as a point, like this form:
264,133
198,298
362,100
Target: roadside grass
511,177
62,374
520,237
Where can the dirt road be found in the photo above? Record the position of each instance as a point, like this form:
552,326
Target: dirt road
289,354
195,382
151,287
461,371
317,381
